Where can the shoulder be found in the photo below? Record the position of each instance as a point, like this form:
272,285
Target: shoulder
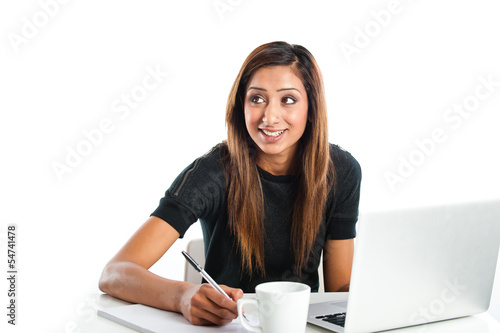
204,173
215,158
343,161
346,172
210,167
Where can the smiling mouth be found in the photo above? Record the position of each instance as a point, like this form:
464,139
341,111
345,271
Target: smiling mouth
273,134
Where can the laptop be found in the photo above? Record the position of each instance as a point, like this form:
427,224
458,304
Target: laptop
417,266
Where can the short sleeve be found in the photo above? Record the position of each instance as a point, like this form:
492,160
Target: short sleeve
196,193
343,204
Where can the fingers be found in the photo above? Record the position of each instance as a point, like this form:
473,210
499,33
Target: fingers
214,306
235,294
208,306
205,316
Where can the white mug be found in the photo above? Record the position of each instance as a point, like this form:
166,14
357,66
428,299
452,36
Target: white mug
282,307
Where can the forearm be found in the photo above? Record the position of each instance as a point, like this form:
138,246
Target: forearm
337,264
344,288
133,283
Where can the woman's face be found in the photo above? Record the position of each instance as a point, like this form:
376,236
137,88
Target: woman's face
275,114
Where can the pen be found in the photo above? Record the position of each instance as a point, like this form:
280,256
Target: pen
205,275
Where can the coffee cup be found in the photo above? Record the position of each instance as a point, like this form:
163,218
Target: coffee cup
282,307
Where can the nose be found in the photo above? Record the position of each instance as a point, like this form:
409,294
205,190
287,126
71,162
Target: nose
271,114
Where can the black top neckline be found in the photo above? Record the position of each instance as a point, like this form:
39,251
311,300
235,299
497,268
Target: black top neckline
274,178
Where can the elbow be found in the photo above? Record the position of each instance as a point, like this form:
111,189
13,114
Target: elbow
104,280
110,279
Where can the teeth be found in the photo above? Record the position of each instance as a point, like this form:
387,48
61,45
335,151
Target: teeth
274,134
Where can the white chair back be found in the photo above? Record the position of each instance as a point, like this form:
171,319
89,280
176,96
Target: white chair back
196,249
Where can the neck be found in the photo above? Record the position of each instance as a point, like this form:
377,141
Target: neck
278,165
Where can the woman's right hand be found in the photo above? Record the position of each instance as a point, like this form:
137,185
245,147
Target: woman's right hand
127,277
203,305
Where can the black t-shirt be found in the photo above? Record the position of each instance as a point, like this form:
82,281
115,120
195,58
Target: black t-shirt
199,193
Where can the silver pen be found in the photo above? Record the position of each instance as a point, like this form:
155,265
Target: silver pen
205,275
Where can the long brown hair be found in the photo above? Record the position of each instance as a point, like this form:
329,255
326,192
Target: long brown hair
315,170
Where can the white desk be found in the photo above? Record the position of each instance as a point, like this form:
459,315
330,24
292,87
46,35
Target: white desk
482,323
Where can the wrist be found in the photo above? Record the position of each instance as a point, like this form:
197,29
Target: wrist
182,290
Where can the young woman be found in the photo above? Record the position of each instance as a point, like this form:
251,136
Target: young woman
270,199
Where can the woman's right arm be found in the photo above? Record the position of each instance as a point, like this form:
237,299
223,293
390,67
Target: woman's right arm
127,276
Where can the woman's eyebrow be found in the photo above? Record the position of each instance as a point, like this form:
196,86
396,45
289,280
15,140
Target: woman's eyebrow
256,88
282,89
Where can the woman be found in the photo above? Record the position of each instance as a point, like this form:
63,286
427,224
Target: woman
270,199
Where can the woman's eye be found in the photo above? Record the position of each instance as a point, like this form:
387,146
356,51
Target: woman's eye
256,99
288,100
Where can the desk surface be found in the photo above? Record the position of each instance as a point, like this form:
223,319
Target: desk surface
482,323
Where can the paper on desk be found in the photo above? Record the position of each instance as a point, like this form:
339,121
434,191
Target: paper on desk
146,319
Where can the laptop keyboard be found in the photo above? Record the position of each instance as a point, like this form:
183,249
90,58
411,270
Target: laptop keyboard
336,318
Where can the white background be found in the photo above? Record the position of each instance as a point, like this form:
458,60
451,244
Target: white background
64,76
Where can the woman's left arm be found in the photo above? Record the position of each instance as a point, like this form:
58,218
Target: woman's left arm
337,264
